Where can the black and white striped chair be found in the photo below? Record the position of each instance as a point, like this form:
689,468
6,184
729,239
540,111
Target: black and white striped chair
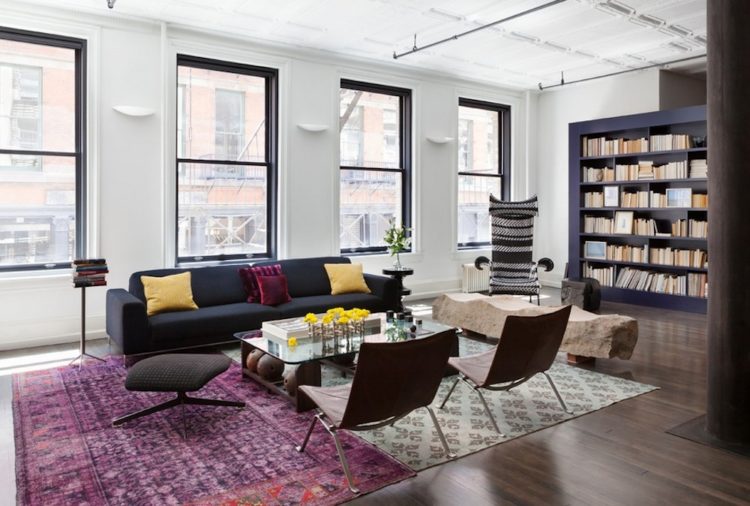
512,270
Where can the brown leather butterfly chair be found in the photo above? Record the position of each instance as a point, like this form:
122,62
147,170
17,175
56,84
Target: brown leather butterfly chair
528,346
391,381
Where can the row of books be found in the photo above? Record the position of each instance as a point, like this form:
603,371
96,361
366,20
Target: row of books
698,284
598,225
696,258
599,146
698,169
627,253
634,199
604,275
648,199
649,281
697,228
661,200
647,227
89,272
667,142
646,171
695,284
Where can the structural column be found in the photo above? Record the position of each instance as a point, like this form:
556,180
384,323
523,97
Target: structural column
728,410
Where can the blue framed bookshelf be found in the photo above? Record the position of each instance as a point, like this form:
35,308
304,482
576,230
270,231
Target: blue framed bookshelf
615,153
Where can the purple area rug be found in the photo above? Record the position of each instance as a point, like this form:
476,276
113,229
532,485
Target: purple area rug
67,451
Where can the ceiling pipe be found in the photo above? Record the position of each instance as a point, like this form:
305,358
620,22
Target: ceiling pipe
662,64
417,49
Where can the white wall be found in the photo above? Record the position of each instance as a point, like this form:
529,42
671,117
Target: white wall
132,168
677,90
556,108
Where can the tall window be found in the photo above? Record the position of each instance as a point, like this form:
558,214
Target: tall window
42,150
483,167
375,159
226,160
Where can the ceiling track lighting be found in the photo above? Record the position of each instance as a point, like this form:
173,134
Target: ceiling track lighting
416,49
660,65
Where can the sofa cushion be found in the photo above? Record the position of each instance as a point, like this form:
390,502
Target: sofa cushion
299,306
212,286
168,293
249,277
307,276
346,278
212,321
273,290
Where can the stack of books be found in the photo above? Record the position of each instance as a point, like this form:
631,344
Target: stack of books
700,200
90,272
698,169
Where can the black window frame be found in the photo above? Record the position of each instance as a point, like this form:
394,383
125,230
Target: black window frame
503,166
271,76
405,155
79,46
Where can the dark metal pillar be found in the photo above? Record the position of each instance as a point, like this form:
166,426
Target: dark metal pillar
728,409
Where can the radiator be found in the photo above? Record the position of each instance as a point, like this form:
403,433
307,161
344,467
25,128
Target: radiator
475,280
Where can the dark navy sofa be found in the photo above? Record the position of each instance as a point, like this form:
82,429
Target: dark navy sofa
223,310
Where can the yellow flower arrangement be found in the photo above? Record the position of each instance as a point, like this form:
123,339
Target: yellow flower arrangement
328,319
310,318
292,342
343,320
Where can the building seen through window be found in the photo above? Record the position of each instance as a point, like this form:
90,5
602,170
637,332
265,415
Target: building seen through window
375,147
41,150
225,160
483,167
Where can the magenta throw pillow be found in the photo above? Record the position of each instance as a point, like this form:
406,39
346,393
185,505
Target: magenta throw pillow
248,276
273,290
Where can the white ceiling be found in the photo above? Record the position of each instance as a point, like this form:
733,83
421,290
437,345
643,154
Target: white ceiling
582,38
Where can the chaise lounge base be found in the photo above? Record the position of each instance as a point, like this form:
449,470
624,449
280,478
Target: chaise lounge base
587,334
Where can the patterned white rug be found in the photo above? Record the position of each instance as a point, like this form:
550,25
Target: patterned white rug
525,409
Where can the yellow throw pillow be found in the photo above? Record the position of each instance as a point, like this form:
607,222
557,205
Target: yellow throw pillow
346,278
168,293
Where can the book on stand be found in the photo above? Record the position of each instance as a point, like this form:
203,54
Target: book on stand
89,272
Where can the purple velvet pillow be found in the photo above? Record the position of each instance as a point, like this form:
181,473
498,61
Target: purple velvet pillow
273,289
248,276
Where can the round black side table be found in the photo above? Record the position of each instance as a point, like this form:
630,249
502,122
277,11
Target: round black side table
400,274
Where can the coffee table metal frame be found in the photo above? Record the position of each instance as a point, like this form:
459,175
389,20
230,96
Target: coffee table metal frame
308,368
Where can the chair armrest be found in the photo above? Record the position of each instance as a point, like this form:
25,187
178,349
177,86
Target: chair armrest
547,263
481,261
388,289
127,322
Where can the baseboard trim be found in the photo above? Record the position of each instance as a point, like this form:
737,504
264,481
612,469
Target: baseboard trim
51,340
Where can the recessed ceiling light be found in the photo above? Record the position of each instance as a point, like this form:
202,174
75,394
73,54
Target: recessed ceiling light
679,47
615,8
678,30
647,20
586,54
440,13
523,37
557,47
636,57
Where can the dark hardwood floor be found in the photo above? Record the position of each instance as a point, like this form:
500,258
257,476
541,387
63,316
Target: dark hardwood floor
618,455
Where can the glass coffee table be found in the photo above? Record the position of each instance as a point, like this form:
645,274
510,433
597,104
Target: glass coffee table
307,356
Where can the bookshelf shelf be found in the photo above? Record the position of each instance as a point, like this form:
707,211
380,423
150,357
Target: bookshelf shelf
644,181
651,237
641,265
646,153
678,128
